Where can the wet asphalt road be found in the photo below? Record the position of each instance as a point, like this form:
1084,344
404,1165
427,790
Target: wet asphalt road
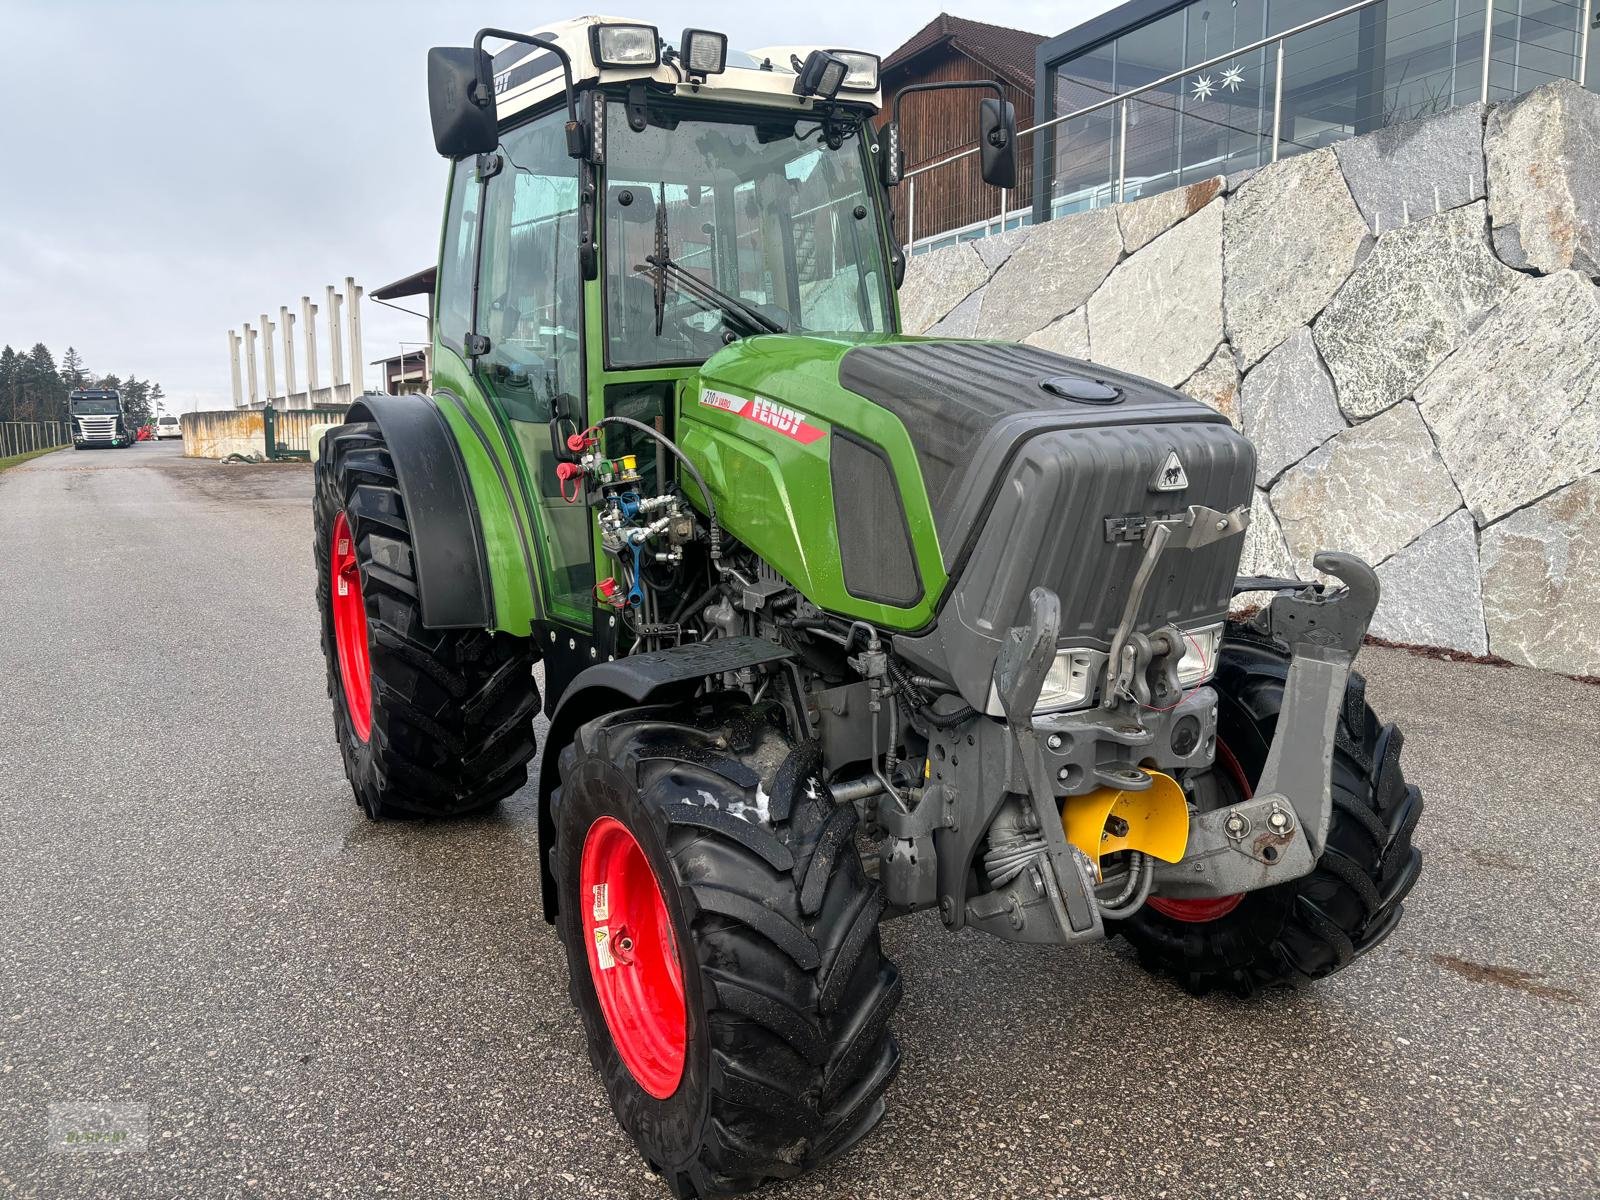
195,918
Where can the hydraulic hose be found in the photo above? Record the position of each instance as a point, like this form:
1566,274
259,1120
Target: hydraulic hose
694,473
1141,876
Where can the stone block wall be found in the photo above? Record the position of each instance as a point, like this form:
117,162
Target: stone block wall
1407,326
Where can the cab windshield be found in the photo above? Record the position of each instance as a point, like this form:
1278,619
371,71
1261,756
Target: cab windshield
716,229
97,407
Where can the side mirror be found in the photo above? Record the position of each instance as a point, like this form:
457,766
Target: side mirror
997,142
461,125
891,158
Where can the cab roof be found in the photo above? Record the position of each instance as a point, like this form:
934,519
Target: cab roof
526,76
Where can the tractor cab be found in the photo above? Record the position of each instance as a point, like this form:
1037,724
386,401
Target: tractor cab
624,210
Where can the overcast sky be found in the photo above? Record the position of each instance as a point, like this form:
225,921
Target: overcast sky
172,170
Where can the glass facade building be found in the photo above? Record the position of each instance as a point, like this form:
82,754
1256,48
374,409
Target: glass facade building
1387,62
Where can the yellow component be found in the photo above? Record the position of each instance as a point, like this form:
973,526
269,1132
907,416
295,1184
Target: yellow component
629,462
1157,819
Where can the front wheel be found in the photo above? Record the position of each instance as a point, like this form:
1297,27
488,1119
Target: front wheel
430,722
722,946
1309,927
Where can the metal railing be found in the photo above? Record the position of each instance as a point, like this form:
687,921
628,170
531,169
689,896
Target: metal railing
286,433
1096,155
26,437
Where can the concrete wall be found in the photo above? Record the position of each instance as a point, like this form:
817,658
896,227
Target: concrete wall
1406,325
219,434
243,431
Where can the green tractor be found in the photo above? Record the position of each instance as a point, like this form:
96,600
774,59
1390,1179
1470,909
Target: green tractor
834,624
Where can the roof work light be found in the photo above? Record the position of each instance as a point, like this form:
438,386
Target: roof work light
703,52
625,45
861,70
820,75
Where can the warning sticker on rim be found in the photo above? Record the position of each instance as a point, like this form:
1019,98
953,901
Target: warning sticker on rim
602,902
780,418
602,947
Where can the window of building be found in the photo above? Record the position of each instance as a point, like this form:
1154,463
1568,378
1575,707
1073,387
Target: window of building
1390,62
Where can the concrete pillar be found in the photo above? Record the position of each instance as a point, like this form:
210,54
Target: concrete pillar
358,369
233,360
335,341
308,312
267,357
286,331
250,360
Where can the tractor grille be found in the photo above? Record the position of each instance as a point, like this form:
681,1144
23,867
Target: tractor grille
97,429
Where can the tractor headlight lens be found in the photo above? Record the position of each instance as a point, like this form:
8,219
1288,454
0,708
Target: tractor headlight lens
703,52
861,70
1199,661
625,45
1068,681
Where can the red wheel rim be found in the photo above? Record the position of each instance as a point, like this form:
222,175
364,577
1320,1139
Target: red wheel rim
1208,908
633,956
350,628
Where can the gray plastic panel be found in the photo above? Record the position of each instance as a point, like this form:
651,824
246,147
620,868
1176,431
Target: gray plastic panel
1046,527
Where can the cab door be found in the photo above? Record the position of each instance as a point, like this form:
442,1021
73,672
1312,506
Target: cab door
530,307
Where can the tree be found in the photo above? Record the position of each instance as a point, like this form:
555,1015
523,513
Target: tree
136,394
10,383
156,398
72,372
42,393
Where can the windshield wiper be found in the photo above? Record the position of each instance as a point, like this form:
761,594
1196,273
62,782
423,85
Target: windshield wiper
753,319
661,266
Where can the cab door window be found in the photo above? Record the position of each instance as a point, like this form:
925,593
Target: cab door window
530,307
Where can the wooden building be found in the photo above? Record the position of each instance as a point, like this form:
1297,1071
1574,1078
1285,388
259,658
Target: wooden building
935,125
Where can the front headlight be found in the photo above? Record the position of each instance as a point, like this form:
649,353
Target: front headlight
1199,661
1068,682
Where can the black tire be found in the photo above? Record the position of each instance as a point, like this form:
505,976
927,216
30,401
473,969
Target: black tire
787,992
1309,927
452,710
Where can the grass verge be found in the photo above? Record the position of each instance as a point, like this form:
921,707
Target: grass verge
19,459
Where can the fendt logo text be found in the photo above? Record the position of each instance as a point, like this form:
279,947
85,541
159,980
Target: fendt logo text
778,417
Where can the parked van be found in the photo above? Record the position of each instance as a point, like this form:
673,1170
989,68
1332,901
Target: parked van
168,427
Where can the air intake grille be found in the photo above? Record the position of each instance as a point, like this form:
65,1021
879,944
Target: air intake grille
874,540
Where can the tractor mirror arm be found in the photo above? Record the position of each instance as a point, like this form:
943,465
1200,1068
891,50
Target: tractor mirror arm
997,138
483,88
946,85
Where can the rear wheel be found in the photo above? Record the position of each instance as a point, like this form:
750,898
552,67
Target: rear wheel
429,722
722,946
1312,926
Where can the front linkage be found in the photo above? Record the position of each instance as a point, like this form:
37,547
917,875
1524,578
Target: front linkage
1050,892
1049,798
